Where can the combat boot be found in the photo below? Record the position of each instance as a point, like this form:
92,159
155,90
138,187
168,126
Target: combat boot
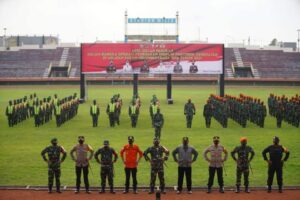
208,190
221,189
247,189
237,190
269,189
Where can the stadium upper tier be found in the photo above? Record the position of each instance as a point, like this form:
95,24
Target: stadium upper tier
239,62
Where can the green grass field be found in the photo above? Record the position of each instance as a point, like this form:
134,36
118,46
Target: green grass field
21,163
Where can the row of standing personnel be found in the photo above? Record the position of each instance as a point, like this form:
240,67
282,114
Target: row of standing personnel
285,109
184,155
241,109
42,110
113,111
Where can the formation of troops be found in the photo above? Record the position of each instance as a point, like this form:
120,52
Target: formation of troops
157,155
42,110
246,108
241,109
284,109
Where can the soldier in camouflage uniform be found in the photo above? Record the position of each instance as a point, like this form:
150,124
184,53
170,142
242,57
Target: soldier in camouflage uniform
207,113
158,122
107,167
159,154
243,163
54,162
189,112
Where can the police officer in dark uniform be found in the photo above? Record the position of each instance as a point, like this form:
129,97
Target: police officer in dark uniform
189,112
54,162
275,162
243,163
107,167
95,112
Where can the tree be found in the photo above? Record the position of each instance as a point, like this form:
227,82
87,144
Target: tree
273,42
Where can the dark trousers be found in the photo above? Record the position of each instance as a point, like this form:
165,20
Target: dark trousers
271,171
111,119
133,120
207,121
157,131
131,171
95,120
279,121
10,120
189,119
212,171
188,177
36,120
58,120
85,177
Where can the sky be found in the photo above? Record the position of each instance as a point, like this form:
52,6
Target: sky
218,21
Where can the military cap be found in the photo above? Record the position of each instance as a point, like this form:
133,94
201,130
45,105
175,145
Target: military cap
276,138
130,138
53,140
106,142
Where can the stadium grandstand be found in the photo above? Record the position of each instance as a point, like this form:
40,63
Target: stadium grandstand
46,61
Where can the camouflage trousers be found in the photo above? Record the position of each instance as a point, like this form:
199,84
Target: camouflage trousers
157,131
189,119
107,171
160,173
239,173
54,172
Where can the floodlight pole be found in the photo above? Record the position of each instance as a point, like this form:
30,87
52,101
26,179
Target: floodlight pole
82,79
221,77
135,84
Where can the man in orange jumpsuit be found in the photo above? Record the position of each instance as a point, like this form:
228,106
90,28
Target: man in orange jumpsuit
131,151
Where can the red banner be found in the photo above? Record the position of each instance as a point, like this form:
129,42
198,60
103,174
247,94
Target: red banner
152,58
